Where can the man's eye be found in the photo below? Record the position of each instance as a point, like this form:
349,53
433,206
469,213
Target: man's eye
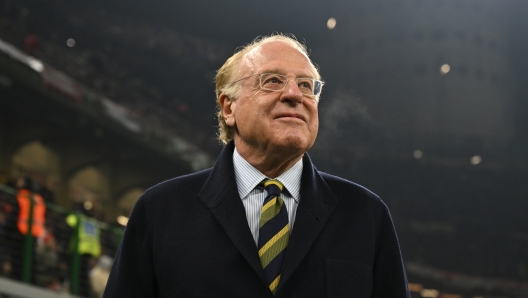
305,85
274,80
274,83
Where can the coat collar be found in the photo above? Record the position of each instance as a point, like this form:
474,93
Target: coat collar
316,204
220,195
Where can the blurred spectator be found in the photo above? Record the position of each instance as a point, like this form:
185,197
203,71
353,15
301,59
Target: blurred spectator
63,276
10,238
99,275
26,192
6,268
31,44
5,210
46,261
89,245
24,182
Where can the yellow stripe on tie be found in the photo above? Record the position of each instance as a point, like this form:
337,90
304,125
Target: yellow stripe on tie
274,284
270,211
273,240
276,249
277,183
268,205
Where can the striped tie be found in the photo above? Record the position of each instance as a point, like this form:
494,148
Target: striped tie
274,233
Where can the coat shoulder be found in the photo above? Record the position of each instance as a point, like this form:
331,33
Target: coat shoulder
184,185
343,188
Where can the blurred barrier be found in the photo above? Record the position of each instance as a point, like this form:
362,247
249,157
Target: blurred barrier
467,282
13,289
49,246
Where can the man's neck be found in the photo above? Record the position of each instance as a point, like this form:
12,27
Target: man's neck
271,165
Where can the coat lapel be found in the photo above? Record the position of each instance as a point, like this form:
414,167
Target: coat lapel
316,204
220,195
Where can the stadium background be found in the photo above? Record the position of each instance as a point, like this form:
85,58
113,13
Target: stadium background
425,104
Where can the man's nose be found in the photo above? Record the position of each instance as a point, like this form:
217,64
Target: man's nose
292,93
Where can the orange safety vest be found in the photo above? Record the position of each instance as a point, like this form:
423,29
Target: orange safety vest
39,213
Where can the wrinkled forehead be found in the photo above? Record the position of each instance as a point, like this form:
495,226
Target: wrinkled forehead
276,55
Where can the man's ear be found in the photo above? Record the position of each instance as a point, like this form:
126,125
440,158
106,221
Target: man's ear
227,106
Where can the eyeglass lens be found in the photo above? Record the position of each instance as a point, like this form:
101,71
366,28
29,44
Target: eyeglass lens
276,82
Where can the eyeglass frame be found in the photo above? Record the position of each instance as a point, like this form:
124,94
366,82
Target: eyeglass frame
285,84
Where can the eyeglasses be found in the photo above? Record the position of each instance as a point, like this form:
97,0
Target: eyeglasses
277,82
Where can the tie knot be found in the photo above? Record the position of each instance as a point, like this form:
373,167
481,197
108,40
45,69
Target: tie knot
273,187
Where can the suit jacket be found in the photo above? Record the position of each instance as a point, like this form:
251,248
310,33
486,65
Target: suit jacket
189,237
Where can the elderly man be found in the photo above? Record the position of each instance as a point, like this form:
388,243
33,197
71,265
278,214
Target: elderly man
263,222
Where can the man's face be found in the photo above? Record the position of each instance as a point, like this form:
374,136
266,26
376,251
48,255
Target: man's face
275,121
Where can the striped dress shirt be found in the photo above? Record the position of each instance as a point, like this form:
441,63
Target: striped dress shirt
248,179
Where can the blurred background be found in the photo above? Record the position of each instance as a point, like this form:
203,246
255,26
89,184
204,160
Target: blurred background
425,103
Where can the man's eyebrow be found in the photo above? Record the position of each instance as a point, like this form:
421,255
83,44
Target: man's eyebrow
282,72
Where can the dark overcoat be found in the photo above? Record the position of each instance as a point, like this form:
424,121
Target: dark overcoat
189,237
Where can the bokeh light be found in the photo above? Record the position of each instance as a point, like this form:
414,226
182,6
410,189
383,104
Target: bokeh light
70,42
444,69
331,23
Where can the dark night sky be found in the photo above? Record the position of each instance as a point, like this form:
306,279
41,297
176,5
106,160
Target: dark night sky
237,22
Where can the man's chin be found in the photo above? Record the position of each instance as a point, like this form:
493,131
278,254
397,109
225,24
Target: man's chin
293,144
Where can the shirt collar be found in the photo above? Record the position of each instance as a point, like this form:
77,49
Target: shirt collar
248,177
